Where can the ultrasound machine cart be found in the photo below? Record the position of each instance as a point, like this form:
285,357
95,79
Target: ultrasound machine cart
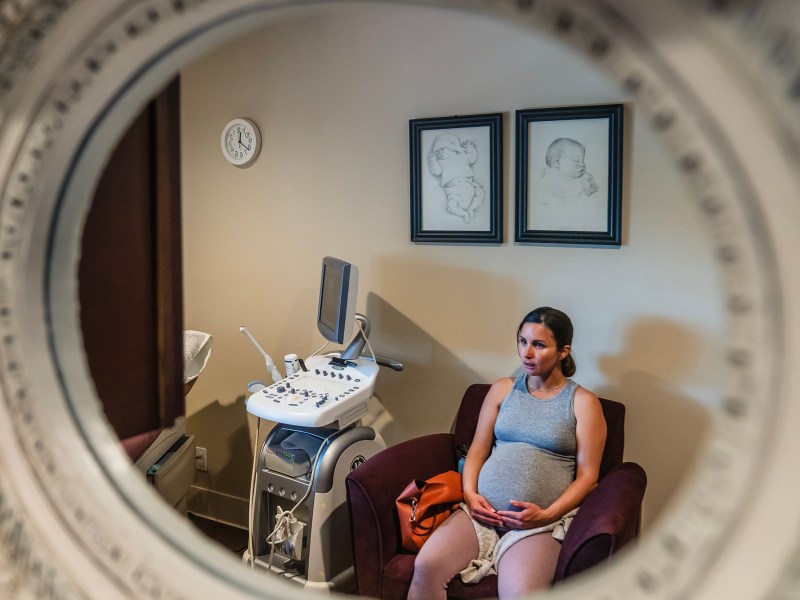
324,559
300,524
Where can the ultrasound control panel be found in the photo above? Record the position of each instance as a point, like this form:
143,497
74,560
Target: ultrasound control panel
331,392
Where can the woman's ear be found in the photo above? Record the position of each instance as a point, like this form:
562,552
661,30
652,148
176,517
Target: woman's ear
564,353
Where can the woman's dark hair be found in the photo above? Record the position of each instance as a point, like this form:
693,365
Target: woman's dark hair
560,326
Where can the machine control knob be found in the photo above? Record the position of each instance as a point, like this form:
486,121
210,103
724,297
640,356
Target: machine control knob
281,389
348,378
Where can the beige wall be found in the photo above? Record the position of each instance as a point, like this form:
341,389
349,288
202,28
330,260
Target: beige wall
333,95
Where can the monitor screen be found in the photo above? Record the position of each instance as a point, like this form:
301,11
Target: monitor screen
337,299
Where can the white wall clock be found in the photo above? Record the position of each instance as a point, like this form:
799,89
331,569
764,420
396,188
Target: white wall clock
241,142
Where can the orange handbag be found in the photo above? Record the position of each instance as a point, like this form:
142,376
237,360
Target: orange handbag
425,504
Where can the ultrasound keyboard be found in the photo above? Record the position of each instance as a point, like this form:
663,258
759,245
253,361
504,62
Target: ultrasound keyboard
331,392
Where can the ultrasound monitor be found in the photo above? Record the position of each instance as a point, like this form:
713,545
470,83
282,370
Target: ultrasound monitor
337,300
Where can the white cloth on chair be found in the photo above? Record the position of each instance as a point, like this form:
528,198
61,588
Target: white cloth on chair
491,545
196,350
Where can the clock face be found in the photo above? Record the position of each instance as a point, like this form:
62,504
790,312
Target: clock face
241,142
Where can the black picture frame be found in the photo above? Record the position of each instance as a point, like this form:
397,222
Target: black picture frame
569,175
457,179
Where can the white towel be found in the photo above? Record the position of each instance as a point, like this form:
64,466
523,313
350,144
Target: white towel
196,350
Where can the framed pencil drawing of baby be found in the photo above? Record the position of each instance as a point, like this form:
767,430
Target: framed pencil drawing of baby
456,179
569,175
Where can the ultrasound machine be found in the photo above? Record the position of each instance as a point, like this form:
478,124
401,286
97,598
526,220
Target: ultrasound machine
299,521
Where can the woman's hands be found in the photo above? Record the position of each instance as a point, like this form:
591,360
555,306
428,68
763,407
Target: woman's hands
527,516
481,510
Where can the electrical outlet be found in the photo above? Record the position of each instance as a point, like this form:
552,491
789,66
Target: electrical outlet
201,459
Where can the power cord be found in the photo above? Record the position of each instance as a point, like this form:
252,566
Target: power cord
250,533
320,349
361,329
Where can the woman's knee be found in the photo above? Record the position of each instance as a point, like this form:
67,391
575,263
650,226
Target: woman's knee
527,566
431,576
429,564
449,549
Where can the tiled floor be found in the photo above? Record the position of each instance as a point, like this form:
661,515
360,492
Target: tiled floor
233,538
230,537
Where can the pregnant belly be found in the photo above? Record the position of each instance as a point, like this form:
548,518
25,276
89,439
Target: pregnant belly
519,471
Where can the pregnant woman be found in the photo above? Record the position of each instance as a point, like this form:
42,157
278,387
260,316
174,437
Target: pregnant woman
534,458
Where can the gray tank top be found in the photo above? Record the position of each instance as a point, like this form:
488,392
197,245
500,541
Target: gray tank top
533,459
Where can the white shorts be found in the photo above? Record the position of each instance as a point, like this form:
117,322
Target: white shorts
491,545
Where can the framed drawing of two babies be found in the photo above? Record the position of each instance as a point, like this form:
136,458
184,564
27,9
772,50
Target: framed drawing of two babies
568,177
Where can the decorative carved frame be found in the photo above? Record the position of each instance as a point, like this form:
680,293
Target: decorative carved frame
75,523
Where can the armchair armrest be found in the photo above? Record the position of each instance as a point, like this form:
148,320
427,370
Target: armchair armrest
607,520
372,490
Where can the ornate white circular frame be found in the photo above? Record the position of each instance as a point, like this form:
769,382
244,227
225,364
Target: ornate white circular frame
721,84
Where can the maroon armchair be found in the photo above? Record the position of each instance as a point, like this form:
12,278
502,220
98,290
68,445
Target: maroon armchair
607,520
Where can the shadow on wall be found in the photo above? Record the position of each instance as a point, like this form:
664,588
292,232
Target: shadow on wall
226,422
665,430
442,321
424,397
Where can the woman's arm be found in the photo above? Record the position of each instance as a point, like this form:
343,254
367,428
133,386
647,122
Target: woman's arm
591,439
479,451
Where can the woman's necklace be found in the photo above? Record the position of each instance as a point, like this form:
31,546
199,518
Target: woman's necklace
545,390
